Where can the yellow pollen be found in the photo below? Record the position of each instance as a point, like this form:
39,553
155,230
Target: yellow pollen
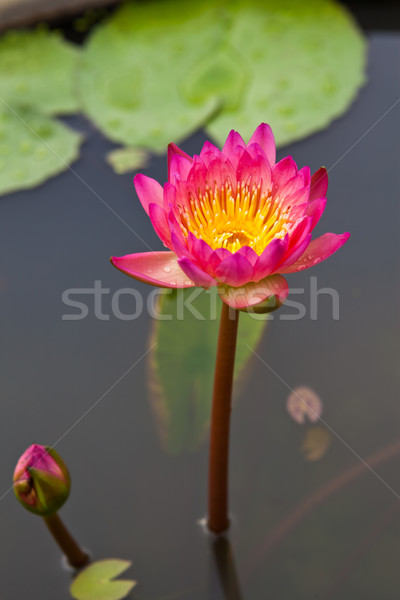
225,221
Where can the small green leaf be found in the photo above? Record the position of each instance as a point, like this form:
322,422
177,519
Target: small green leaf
38,70
183,360
33,148
127,159
96,581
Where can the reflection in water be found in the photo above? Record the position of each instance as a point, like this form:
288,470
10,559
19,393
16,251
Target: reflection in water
378,527
224,582
316,443
182,362
304,402
286,526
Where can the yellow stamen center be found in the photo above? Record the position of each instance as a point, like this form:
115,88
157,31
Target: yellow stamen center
250,218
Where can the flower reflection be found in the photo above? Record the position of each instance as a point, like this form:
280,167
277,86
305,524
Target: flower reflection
316,443
304,402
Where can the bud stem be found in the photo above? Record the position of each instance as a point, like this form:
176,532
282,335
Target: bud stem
218,520
75,555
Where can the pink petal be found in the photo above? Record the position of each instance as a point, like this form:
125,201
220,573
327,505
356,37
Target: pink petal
318,250
292,255
148,190
319,184
200,277
174,151
179,247
159,221
209,152
169,196
292,186
254,171
249,254
197,174
315,210
174,226
217,257
305,173
271,256
178,197
298,234
178,168
295,199
208,157
234,139
200,250
264,137
156,268
234,270
235,156
219,172
283,171
253,294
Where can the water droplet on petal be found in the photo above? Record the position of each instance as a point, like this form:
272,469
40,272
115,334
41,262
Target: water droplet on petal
167,269
188,282
173,282
149,271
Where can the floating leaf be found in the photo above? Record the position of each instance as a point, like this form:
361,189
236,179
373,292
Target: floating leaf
96,582
182,363
132,71
220,74
33,148
37,70
316,443
295,65
307,61
127,159
304,402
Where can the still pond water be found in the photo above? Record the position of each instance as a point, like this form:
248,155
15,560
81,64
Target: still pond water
325,528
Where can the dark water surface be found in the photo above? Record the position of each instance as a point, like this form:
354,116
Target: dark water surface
327,528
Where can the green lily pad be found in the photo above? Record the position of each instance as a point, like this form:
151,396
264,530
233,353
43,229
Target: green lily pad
221,74
37,70
127,159
307,61
96,582
132,71
33,148
157,71
183,360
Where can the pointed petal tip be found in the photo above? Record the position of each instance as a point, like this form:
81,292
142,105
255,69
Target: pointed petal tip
160,269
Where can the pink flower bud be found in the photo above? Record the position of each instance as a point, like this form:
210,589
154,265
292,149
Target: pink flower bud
41,480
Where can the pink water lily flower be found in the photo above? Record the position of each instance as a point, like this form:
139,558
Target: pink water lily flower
235,219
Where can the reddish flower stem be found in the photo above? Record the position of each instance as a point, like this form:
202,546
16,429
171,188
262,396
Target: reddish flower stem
75,555
218,520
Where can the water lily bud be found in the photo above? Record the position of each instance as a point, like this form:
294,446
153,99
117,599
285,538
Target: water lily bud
41,480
